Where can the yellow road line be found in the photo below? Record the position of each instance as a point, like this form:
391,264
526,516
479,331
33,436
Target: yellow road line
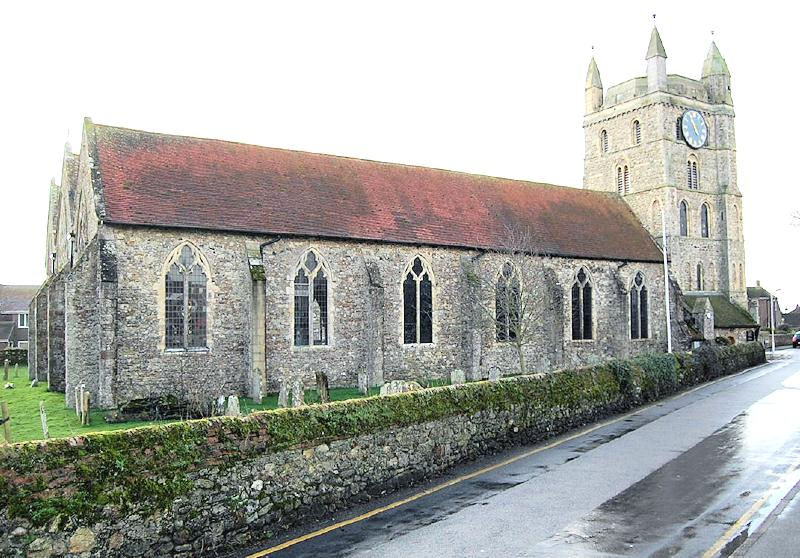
457,480
736,527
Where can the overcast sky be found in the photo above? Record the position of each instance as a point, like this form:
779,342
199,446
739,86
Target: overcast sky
493,88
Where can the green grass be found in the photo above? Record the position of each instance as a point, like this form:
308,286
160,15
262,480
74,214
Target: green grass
23,406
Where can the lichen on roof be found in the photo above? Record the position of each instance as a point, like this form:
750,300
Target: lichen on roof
656,47
715,64
726,313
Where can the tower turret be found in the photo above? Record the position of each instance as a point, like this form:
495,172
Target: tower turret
656,63
594,88
716,77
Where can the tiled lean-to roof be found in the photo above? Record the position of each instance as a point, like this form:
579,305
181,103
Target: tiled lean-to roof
726,313
174,181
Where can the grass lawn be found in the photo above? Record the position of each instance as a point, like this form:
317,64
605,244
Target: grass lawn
23,406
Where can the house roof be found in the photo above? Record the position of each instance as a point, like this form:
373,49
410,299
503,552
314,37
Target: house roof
757,292
5,330
16,298
173,181
726,314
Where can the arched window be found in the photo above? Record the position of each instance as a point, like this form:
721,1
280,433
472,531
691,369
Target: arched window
637,132
604,141
186,300
417,303
639,310
678,129
620,183
508,303
311,301
704,221
655,216
581,306
626,178
700,278
684,218
692,180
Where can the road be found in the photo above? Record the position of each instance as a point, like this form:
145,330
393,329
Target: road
711,471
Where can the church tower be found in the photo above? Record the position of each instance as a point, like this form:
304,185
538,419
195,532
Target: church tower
667,142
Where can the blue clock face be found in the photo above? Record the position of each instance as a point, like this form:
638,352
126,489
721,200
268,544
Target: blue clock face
694,129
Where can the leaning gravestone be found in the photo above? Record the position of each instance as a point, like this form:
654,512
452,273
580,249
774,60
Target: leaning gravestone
457,377
297,393
35,382
494,374
233,407
399,386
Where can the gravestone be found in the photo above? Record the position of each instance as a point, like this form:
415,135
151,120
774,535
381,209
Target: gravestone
220,409
297,393
399,386
283,394
35,382
363,383
322,387
457,377
232,410
494,374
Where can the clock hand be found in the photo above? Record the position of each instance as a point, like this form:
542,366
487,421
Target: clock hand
696,131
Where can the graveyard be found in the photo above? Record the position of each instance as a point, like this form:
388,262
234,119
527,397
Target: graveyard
24,400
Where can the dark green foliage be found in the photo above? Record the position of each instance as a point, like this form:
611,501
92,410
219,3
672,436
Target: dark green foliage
14,356
146,469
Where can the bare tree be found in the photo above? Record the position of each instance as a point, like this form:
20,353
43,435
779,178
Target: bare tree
513,298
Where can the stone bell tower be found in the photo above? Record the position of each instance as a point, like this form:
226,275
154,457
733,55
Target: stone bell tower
667,142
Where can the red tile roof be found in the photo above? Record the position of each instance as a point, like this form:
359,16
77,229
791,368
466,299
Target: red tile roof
175,181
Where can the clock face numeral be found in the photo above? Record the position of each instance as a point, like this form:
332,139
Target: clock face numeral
694,128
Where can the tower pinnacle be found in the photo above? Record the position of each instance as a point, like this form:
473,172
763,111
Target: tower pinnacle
656,47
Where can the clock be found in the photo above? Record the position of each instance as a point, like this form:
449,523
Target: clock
694,129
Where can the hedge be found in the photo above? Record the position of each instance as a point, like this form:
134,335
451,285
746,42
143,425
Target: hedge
147,468
14,356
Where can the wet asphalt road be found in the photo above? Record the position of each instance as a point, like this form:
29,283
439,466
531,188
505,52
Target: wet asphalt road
680,478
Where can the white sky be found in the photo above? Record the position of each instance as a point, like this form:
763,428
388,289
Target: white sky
493,88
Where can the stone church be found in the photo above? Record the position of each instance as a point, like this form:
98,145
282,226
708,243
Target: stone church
200,267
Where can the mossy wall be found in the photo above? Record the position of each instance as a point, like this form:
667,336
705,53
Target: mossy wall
188,487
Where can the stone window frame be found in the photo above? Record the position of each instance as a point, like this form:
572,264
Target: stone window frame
636,132
514,276
593,318
161,296
322,265
427,268
643,294
683,219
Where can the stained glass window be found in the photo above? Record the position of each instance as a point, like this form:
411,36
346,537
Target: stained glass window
186,302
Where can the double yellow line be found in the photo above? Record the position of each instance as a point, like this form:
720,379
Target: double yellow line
479,472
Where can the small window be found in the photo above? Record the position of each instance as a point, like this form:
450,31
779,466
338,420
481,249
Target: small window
186,304
626,178
620,183
637,132
508,304
604,141
581,306
22,320
22,344
684,219
311,301
638,307
417,303
678,130
704,221
700,278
